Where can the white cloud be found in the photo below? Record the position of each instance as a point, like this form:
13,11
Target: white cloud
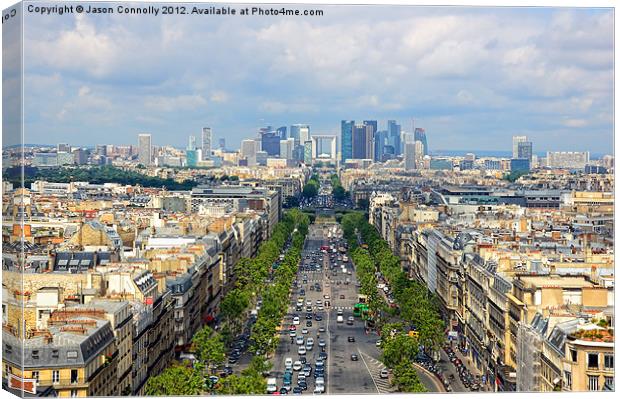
168,103
219,96
574,122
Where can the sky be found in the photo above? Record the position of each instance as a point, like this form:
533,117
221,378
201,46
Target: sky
471,76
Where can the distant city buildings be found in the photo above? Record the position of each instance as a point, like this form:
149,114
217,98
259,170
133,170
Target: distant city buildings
205,143
568,159
515,145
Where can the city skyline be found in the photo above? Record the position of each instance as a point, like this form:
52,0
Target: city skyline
534,72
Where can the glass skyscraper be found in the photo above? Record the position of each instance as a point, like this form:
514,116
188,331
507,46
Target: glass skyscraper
346,139
393,132
420,135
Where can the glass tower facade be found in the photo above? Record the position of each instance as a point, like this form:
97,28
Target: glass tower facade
346,139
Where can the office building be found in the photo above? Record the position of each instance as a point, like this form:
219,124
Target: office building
270,143
410,160
282,132
515,145
145,149
419,153
63,147
346,139
308,152
191,145
286,148
363,141
249,148
324,147
261,158
380,142
420,135
394,132
524,150
205,143
222,143
568,159
301,133
519,165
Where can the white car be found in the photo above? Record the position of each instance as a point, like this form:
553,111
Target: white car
301,350
288,362
320,308
318,389
380,286
299,340
304,331
310,341
297,365
292,333
308,302
384,373
296,321
340,319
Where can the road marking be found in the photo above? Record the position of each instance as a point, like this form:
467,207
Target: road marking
371,376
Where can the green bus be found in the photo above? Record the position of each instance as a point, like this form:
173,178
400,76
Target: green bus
360,309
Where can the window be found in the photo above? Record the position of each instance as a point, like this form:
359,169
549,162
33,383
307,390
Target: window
593,360
568,380
593,382
609,361
573,355
55,376
74,376
35,375
7,369
609,384
74,393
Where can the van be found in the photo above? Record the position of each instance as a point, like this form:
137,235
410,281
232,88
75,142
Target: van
271,385
288,362
339,319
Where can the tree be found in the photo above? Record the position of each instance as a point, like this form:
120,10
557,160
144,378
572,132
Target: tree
339,193
399,348
406,378
311,189
177,380
209,347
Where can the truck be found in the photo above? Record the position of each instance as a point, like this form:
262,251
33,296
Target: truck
271,385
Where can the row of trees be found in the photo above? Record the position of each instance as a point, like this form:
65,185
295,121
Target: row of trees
311,189
337,190
210,346
419,310
93,174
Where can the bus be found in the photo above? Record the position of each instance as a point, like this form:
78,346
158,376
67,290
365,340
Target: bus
360,309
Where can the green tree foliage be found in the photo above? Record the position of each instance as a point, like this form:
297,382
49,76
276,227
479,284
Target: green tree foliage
406,379
93,174
176,380
209,347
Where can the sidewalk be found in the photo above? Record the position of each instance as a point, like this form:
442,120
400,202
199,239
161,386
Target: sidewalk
469,364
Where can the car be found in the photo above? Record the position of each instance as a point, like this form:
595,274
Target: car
297,391
321,329
288,362
319,302
326,296
299,340
339,319
309,323
308,302
308,316
351,339
354,357
320,363
283,391
340,312
301,350
308,309
297,365
296,320
322,342
303,359
214,379
378,343
292,333
350,320
384,373
320,381
303,385
342,296
310,341
307,370
320,308
304,330
323,356
318,390
318,317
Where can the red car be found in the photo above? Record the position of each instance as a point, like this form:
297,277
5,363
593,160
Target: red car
292,327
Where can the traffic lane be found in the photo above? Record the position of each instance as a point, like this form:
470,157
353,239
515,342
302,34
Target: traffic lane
428,379
347,376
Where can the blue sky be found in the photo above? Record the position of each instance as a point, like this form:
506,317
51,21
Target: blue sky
473,77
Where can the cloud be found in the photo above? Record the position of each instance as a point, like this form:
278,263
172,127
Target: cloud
176,103
574,122
219,97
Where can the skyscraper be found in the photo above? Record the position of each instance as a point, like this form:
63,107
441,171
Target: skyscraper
515,145
380,142
145,150
191,145
308,152
394,131
206,143
63,147
371,138
362,141
286,148
270,143
301,133
282,132
249,148
409,156
420,135
419,153
222,143
524,150
346,139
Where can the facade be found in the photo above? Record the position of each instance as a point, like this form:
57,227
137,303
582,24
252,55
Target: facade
286,148
145,149
420,135
308,152
515,145
394,132
410,156
567,159
206,140
362,144
346,139
524,150
270,143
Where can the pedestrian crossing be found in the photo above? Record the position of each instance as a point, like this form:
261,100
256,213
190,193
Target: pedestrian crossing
292,307
375,366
